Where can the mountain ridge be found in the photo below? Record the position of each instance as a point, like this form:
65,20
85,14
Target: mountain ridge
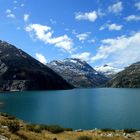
20,71
78,72
128,78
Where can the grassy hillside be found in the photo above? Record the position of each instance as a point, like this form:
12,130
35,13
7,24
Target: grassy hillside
14,129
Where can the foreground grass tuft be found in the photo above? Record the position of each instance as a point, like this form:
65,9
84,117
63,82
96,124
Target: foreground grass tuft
84,138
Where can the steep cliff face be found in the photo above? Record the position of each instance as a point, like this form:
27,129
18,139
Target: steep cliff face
78,72
128,78
20,71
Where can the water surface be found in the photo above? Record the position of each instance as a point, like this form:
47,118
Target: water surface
77,108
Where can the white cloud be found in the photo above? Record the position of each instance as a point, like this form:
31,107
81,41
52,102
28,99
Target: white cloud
14,8
82,37
44,33
41,58
111,27
116,8
22,5
84,56
100,13
92,41
114,27
9,14
18,28
107,69
120,51
91,16
52,21
137,5
26,17
132,18
8,11
14,1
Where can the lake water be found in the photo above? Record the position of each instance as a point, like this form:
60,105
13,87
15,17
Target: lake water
77,108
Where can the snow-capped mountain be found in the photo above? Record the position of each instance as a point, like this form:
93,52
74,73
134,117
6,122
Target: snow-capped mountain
78,72
107,70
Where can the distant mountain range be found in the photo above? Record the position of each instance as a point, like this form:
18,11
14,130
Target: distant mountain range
78,72
19,71
107,70
128,78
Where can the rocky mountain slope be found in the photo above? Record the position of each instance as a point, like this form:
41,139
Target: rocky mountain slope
19,71
128,78
78,73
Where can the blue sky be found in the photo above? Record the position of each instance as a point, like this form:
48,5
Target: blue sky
100,32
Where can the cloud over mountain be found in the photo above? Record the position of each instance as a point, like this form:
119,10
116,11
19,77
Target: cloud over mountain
120,51
44,33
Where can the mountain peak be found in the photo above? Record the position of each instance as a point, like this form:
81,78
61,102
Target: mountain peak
77,72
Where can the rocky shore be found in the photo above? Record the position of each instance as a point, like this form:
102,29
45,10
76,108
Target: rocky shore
15,129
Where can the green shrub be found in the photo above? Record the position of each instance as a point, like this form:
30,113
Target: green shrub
68,129
4,114
8,116
43,127
11,118
130,130
85,138
55,129
50,128
107,129
34,128
13,126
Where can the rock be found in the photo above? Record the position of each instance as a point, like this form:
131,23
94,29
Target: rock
138,132
110,135
124,134
79,130
5,127
128,135
3,138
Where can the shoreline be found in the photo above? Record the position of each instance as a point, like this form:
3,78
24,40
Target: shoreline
13,128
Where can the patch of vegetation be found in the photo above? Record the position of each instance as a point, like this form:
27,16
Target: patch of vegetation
51,128
13,126
68,129
107,129
130,130
34,128
8,116
4,114
55,129
84,138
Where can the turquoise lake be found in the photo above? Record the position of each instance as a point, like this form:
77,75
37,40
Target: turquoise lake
77,108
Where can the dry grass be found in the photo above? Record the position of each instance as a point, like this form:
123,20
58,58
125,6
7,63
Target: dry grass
25,134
